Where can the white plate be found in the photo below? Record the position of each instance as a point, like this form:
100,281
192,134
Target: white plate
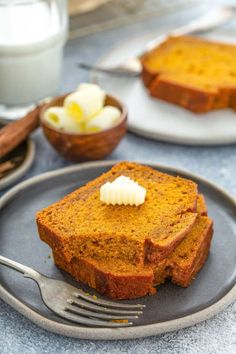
157,119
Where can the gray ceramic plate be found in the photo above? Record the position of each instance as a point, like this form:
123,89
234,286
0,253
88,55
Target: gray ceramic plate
170,309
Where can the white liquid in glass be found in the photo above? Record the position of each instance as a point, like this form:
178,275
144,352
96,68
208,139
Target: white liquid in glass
32,35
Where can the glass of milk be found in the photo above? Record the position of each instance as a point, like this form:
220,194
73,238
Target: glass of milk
32,36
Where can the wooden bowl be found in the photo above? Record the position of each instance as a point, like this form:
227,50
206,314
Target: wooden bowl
86,146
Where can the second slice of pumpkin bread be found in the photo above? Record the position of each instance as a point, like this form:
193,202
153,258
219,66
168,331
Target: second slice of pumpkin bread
83,226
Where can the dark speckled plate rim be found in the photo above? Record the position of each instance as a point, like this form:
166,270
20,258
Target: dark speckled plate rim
76,331
24,166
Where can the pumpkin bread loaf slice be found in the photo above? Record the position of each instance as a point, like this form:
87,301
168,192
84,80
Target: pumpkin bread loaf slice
87,228
112,278
188,258
117,279
194,73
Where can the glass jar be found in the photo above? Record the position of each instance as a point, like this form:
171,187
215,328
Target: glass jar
32,36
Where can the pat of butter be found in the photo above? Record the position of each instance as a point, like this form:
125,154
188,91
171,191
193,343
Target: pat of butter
58,118
122,191
85,103
107,118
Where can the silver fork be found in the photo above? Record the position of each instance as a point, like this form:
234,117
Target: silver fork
75,305
132,66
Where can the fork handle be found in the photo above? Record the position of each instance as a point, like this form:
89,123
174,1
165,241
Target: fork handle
28,272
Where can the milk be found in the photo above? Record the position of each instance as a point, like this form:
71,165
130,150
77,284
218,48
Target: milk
32,36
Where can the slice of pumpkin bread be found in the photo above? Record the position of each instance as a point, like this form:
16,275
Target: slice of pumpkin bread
84,227
113,278
188,258
122,280
192,72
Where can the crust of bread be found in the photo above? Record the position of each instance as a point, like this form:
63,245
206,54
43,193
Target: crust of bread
191,98
113,285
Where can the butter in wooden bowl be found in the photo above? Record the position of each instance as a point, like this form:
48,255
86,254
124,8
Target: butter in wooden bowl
83,111
86,124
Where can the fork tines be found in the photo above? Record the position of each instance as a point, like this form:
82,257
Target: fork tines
92,311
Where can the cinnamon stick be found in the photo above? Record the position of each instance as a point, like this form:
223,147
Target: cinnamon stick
14,133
